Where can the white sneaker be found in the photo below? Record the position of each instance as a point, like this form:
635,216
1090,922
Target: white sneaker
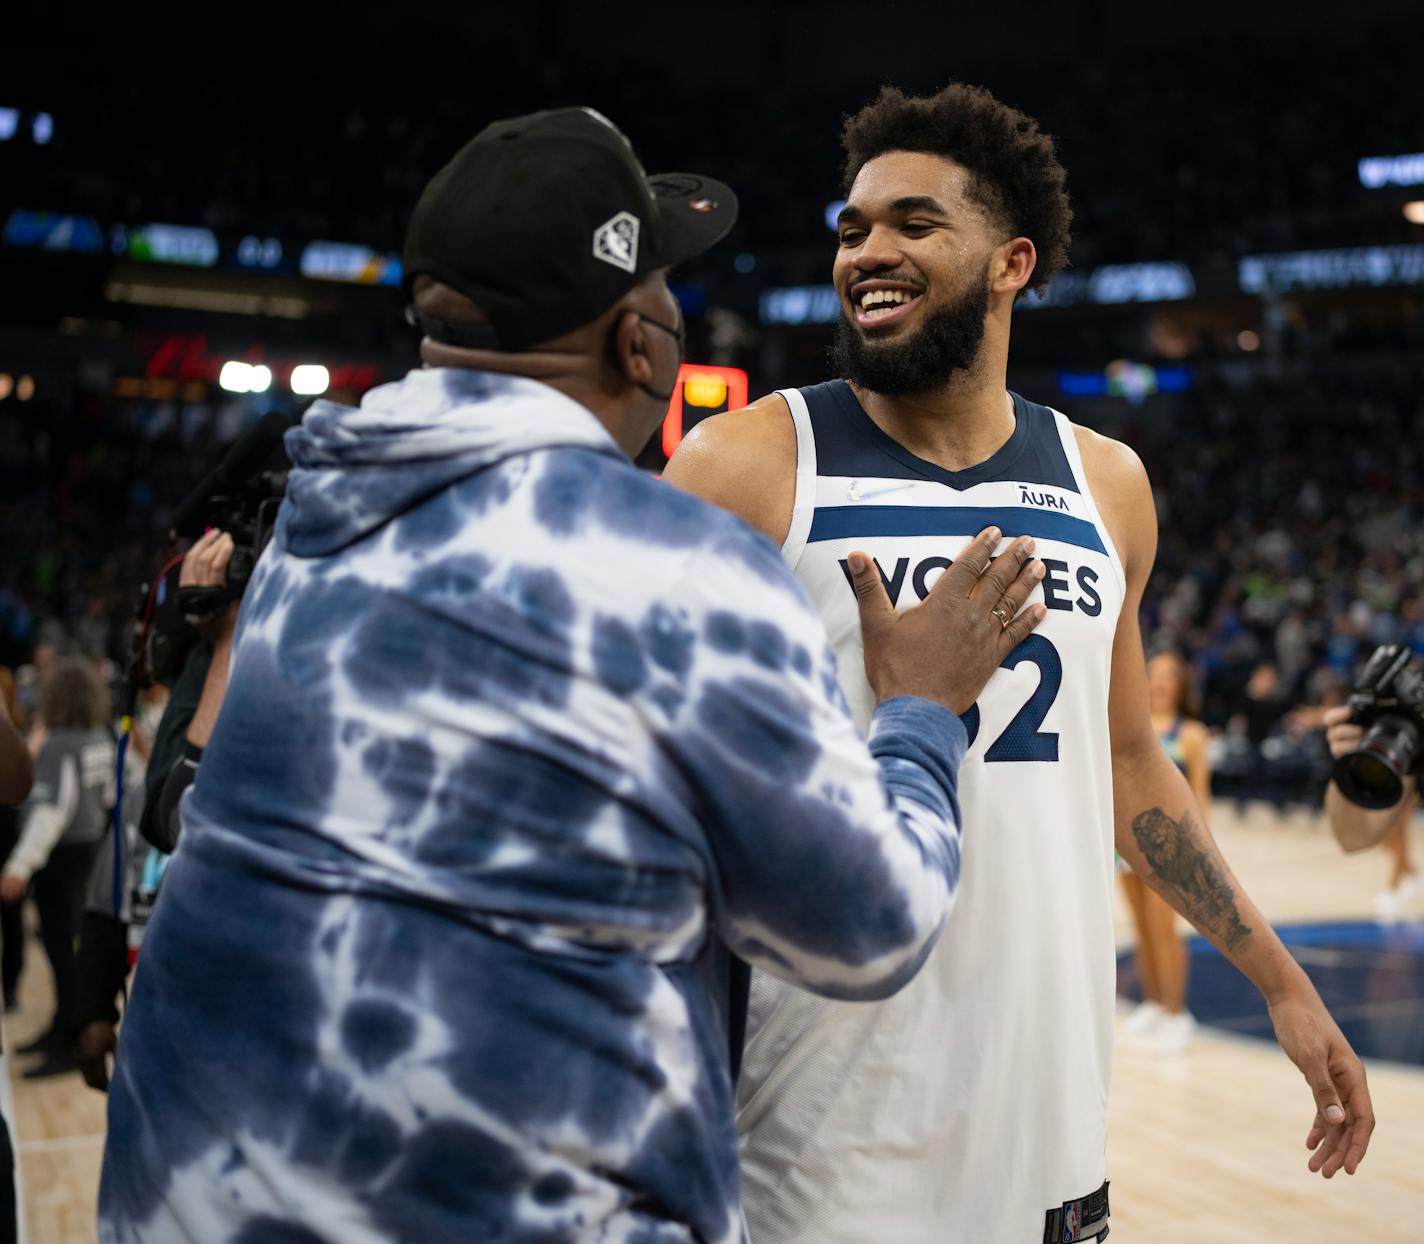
1389,906
1174,1033
1144,1019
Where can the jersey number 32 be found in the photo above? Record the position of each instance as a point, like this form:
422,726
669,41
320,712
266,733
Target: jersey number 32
1022,739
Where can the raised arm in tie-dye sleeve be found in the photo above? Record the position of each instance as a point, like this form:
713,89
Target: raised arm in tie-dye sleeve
834,864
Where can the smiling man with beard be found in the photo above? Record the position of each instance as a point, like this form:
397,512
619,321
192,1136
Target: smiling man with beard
973,1105
946,341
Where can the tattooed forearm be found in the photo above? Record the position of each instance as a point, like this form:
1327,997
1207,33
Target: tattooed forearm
1182,859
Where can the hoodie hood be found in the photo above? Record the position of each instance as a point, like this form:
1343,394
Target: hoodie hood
355,468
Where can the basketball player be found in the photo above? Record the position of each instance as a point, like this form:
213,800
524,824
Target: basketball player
972,1105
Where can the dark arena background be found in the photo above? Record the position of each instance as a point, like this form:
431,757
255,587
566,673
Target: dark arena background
201,219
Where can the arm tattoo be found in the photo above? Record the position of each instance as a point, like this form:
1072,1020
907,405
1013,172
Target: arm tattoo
1192,868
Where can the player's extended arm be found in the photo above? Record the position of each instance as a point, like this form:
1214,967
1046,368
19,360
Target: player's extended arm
744,461
1161,833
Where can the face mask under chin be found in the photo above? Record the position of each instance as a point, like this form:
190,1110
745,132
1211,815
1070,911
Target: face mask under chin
680,333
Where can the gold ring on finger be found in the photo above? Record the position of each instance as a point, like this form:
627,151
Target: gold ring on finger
1003,616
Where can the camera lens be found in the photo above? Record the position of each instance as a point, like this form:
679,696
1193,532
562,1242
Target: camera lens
1373,775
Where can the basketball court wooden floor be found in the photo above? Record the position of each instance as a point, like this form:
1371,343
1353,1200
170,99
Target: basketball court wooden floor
1207,1146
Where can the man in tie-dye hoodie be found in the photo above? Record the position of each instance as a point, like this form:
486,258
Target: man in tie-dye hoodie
518,742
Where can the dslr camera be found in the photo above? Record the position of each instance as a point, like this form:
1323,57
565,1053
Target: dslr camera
1388,701
240,496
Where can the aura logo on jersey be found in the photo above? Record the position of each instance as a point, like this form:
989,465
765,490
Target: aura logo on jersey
1048,500
1065,587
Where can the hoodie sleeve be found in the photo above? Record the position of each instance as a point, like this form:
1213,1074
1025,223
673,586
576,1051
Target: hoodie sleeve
834,860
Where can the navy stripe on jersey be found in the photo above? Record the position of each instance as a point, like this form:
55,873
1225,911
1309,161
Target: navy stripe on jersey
852,522
848,443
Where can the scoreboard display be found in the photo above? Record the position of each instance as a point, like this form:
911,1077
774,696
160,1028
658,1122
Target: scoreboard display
701,390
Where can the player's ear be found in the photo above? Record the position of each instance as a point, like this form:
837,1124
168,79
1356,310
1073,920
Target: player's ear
1011,266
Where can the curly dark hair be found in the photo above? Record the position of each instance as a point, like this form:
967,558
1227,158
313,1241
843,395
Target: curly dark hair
1014,170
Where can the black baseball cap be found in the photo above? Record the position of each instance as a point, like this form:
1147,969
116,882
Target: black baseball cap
545,221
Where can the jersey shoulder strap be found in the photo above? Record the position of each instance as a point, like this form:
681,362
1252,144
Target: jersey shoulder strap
1068,440
1043,457
803,506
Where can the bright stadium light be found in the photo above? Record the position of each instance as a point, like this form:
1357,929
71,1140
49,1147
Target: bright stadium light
9,123
259,378
1414,212
7,385
310,379
236,377
26,388
42,130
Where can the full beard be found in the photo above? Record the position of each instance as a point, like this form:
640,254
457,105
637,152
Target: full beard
948,341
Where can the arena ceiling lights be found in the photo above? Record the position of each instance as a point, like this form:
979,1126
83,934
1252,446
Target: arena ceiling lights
38,127
1116,284
237,377
1107,286
192,246
1350,267
344,261
306,379
310,380
1377,172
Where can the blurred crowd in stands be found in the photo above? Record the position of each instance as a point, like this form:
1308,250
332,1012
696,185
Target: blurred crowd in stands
1291,506
85,498
1245,142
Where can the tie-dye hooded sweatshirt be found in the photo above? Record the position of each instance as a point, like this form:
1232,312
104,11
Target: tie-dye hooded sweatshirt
517,741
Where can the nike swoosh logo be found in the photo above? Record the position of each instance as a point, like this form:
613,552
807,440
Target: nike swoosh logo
853,493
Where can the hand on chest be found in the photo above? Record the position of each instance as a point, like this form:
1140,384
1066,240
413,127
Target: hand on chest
909,569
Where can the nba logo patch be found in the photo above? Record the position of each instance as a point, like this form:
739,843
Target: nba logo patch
1074,1221
615,241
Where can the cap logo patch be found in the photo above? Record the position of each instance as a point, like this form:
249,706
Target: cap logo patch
702,205
615,241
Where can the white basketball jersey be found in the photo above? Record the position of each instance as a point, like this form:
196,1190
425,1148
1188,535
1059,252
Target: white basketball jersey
972,1105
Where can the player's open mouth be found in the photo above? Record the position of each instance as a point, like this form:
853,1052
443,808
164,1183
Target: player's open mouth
880,306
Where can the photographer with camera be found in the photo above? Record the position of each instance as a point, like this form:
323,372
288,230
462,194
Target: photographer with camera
230,513
205,566
107,935
1377,743
188,619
